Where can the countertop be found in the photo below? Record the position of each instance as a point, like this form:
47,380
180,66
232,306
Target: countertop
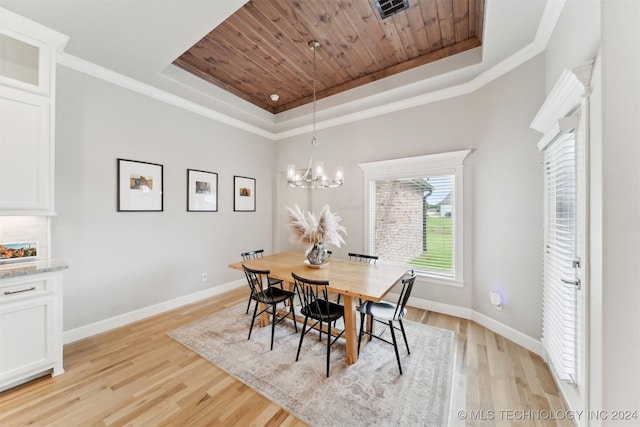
23,268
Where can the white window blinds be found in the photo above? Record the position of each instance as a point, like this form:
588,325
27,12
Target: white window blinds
559,297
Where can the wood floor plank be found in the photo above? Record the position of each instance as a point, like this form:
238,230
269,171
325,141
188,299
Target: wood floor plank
138,376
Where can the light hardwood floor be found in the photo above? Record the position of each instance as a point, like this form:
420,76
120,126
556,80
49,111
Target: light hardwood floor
137,375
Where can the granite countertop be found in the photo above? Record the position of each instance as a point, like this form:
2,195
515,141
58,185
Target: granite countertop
23,268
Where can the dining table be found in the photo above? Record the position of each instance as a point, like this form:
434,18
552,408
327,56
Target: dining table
353,280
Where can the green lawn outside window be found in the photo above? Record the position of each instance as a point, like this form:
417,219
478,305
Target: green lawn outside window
439,253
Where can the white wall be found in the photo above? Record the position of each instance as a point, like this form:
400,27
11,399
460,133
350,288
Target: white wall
124,261
575,39
503,186
507,198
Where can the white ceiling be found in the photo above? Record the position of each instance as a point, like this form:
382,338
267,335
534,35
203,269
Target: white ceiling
139,39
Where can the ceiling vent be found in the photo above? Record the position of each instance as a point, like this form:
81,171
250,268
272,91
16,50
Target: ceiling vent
389,7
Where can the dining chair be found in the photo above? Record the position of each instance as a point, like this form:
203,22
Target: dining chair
315,306
258,253
270,296
371,259
386,313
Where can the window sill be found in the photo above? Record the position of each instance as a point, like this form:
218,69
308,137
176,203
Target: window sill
439,280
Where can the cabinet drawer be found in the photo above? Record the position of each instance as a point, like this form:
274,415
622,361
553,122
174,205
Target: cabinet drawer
23,289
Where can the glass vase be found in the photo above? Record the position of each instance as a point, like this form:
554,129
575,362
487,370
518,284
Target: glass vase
317,254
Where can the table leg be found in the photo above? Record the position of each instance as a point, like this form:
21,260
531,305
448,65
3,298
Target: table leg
265,318
350,330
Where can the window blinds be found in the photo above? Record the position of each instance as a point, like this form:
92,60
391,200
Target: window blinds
559,298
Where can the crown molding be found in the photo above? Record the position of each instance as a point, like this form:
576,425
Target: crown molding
549,19
565,97
134,85
14,24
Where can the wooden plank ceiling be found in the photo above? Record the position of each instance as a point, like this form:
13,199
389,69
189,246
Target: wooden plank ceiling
262,49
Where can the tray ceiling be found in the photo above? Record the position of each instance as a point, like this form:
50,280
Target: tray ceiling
262,48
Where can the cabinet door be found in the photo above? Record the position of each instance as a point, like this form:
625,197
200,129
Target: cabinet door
25,337
25,154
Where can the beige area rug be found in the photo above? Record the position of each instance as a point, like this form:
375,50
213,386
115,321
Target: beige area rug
369,392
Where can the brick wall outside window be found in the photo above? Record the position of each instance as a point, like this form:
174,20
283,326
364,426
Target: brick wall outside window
399,221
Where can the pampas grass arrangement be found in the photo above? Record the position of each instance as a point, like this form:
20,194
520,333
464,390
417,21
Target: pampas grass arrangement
307,230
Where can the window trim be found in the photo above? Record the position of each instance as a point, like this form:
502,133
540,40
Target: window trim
450,163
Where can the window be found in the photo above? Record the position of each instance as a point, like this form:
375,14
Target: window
413,213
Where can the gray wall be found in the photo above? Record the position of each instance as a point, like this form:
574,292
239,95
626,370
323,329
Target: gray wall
502,188
123,261
507,209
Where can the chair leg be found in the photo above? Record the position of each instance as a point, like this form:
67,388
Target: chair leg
328,347
293,315
273,323
395,345
361,331
253,319
248,305
304,326
405,336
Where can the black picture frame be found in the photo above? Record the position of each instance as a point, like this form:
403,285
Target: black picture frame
202,191
244,194
140,186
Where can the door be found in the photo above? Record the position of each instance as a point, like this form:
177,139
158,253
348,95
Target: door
565,295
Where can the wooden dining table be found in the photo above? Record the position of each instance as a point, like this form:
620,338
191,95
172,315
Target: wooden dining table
352,280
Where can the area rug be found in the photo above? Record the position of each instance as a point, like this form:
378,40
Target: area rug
369,392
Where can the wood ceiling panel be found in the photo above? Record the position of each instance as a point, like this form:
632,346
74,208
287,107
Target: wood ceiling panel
263,47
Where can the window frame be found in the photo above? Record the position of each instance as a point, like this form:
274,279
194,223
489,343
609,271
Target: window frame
448,163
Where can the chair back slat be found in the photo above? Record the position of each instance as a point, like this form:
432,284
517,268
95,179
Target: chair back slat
369,259
257,279
258,253
407,286
311,292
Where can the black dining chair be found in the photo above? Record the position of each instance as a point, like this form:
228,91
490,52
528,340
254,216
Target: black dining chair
386,313
315,306
258,253
270,296
368,259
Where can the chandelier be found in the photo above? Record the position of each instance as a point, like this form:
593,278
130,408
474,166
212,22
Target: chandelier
314,176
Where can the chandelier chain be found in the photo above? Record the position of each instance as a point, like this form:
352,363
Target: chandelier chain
315,74
314,176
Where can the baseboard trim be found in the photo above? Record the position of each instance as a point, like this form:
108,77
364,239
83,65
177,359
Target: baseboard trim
95,328
531,344
133,316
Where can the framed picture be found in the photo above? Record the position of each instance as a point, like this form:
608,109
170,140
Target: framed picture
202,191
139,186
244,194
20,251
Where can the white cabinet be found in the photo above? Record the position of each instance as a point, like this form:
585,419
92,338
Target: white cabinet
27,114
30,327
26,156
